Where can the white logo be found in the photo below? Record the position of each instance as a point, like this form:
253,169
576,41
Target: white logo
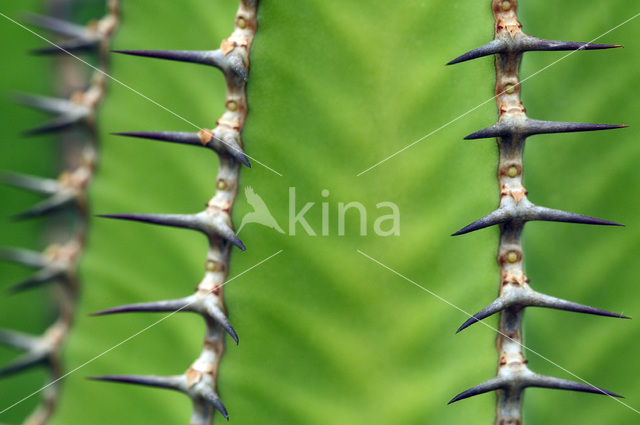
260,213
384,225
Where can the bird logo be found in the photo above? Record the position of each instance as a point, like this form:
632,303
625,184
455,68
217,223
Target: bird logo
260,213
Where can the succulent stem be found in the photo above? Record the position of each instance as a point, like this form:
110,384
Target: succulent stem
514,210
199,382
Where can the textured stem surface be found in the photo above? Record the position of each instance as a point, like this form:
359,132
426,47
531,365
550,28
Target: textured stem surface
514,210
232,58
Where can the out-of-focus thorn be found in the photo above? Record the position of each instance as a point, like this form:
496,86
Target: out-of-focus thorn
51,204
490,385
56,25
73,46
45,103
19,340
57,124
168,382
213,399
492,47
542,381
23,256
43,277
32,183
530,127
24,362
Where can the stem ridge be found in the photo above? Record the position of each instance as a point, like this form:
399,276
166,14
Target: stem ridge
199,381
511,131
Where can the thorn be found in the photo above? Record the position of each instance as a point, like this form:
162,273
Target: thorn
203,222
547,301
489,310
542,381
186,138
530,212
193,139
530,298
24,362
530,43
167,382
215,401
218,316
32,183
185,221
56,25
49,205
490,385
152,307
496,217
237,66
204,57
548,214
493,47
531,127
527,43
232,333
190,304
73,46
231,146
23,256
227,233
19,340
44,276
241,158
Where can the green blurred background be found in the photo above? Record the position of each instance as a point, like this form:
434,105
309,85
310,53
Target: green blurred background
326,335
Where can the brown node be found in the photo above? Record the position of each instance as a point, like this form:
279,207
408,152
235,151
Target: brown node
77,97
205,136
193,376
503,360
227,46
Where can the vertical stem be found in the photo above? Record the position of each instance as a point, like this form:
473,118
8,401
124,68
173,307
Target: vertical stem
229,127
511,360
